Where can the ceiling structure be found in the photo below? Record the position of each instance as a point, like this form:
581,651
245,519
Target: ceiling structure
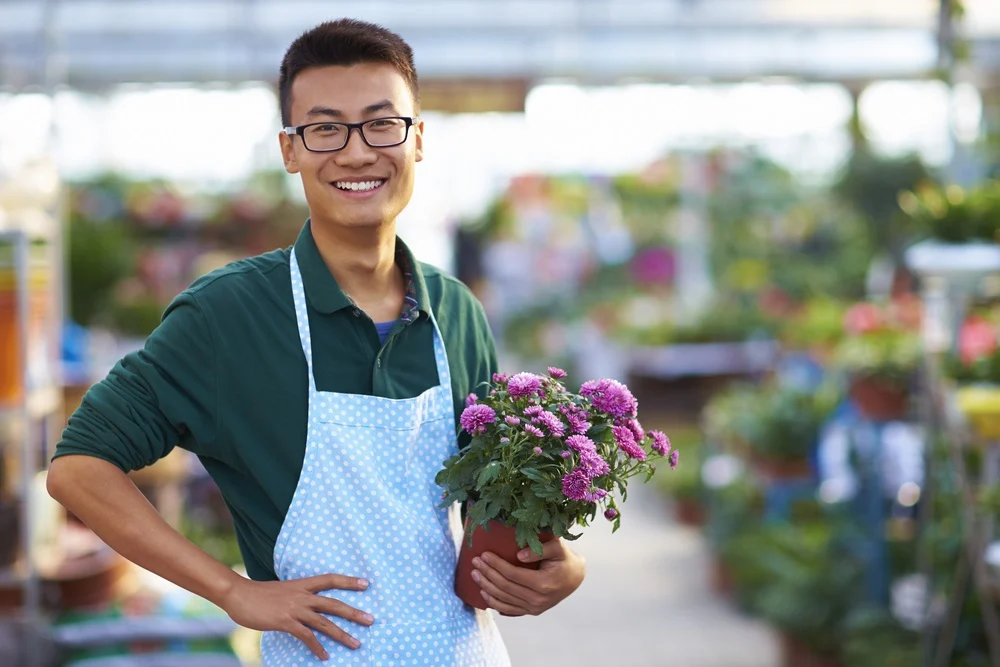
98,44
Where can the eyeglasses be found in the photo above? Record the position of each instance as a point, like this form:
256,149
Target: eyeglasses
327,136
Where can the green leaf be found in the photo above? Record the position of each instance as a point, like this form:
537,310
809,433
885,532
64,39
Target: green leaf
535,543
533,474
488,474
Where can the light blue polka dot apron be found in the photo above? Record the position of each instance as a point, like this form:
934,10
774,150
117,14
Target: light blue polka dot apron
366,506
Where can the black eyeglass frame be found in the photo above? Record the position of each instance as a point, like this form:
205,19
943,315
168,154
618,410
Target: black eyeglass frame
301,129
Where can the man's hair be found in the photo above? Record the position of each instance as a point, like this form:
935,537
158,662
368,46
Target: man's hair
344,42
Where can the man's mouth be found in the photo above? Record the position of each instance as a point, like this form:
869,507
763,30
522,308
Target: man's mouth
358,186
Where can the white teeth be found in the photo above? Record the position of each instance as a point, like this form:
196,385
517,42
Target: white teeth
359,187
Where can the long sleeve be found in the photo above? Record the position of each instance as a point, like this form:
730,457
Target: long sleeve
157,398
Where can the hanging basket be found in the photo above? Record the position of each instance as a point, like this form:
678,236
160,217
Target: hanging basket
879,399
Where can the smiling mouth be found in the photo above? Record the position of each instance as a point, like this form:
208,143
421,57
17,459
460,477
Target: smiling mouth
359,186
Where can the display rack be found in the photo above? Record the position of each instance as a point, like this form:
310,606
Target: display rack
34,414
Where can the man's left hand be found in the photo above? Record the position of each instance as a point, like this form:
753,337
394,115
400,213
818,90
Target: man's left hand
519,591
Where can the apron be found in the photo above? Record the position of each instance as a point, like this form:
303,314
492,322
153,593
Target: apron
366,506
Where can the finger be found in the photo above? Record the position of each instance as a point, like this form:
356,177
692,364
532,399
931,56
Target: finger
341,610
519,575
503,607
551,550
305,635
331,630
497,592
328,582
522,594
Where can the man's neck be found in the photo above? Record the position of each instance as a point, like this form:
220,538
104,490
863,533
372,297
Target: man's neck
363,262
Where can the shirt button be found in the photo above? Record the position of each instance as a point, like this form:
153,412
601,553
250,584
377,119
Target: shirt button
357,313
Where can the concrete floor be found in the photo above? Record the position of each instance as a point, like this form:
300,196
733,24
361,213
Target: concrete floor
646,602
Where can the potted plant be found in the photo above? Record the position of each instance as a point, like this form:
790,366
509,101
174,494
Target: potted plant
782,428
543,461
880,354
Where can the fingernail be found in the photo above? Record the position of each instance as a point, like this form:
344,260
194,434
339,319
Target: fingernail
368,618
476,562
355,643
362,583
486,596
476,577
523,555
486,558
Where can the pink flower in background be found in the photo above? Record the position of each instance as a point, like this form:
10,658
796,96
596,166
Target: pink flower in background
533,410
556,373
512,420
626,441
674,458
578,424
862,318
476,418
537,450
594,496
566,454
534,430
499,378
636,428
976,339
661,443
471,399
576,485
524,384
653,266
610,513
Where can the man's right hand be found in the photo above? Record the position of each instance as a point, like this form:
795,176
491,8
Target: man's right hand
294,607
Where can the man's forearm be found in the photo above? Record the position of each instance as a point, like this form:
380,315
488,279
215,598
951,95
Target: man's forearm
107,501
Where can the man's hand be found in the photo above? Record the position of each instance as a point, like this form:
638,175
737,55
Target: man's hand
516,591
294,607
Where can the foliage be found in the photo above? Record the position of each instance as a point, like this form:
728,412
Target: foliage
976,358
99,256
873,638
727,321
818,322
685,482
544,458
953,214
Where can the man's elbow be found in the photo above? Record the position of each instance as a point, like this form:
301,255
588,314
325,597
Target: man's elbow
59,478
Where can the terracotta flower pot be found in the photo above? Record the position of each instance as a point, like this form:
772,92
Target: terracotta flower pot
878,399
689,512
774,469
500,540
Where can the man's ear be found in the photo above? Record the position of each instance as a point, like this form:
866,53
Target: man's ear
418,140
288,153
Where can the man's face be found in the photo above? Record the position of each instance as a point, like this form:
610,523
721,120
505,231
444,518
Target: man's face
353,94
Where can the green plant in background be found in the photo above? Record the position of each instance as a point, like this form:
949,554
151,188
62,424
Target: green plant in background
953,214
784,423
880,342
801,578
726,321
873,638
685,482
820,322
725,417
100,254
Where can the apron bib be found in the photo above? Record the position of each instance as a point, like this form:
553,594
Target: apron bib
366,506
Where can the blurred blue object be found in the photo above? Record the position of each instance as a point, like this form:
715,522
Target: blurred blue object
75,364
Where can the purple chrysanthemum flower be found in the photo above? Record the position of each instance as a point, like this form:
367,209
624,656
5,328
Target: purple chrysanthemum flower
594,496
476,418
593,464
611,396
575,485
537,450
534,430
504,441
636,428
471,399
674,457
578,424
580,443
512,420
551,422
661,443
499,378
524,384
566,454
556,373
626,441
533,410
610,513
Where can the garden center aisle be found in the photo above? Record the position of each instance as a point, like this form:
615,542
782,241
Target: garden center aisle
646,602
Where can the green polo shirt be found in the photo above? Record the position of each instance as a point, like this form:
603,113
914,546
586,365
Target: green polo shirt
224,376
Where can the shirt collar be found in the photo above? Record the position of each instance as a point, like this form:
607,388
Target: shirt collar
325,295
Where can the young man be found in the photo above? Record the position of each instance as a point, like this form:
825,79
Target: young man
320,386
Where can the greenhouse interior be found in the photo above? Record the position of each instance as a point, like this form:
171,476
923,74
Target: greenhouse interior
777,222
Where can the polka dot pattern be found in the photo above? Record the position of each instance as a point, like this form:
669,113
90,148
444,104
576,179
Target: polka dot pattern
366,506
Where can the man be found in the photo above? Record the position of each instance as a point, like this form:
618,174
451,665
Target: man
319,385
